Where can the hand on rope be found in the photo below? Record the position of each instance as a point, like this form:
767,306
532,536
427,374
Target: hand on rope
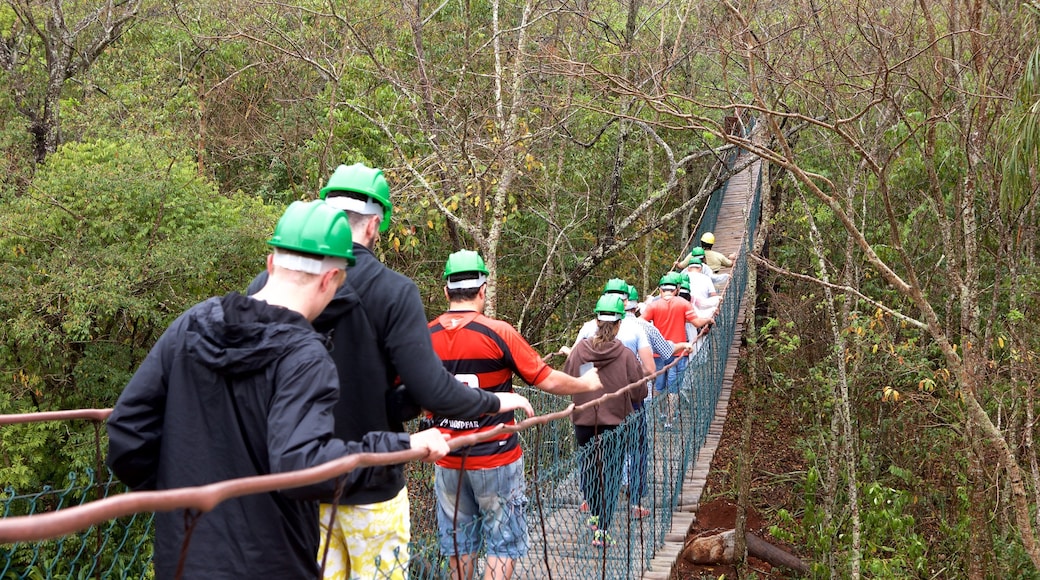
512,402
433,441
204,498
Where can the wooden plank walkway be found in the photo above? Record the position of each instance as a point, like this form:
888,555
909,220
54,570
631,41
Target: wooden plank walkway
730,229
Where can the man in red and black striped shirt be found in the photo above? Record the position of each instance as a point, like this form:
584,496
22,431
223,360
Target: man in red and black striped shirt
480,490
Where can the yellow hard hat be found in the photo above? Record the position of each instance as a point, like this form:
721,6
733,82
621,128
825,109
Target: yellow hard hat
708,238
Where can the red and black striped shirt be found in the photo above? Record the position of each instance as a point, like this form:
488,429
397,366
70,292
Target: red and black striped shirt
484,353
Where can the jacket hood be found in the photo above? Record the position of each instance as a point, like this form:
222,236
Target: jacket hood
604,352
236,335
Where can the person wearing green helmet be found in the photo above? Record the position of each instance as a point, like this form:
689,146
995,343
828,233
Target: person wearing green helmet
698,264
715,260
700,289
632,335
616,286
659,345
629,333
618,368
684,286
697,253
240,387
387,372
669,314
637,459
480,490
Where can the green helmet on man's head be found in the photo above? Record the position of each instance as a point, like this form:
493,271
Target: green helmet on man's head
697,252
633,293
314,227
615,286
359,179
669,279
610,308
465,262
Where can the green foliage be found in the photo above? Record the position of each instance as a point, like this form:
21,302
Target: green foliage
107,246
120,548
890,544
128,92
1022,157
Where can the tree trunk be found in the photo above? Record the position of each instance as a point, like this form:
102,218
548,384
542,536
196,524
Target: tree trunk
721,549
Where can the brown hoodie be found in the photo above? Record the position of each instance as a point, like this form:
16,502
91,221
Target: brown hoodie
617,368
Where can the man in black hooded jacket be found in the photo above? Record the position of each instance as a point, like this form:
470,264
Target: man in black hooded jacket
240,387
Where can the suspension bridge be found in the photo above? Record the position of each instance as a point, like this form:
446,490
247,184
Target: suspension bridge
680,447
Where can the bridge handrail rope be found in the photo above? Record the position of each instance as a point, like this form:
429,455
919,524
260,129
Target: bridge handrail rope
204,498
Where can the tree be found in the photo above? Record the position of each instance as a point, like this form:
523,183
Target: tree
901,102
44,44
111,242
483,130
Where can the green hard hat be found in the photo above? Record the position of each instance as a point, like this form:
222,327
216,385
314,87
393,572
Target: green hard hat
610,307
633,293
314,227
368,181
464,261
697,251
670,279
615,286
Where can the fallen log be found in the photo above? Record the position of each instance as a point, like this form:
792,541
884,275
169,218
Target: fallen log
720,549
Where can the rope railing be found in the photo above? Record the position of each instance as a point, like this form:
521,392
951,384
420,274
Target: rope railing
204,498
546,479
43,416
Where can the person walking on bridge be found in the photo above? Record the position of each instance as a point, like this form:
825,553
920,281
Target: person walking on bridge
669,313
240,387
630,333
601,461
638,457
480,490
714,260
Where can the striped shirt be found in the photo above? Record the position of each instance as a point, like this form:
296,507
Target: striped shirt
483,353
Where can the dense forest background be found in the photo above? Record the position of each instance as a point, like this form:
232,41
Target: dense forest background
148,148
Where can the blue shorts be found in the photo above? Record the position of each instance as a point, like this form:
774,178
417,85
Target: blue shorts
491,511
669,381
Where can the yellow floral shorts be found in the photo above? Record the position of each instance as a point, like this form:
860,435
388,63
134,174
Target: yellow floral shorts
373,538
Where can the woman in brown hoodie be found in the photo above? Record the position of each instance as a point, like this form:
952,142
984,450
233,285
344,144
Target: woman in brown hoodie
601,455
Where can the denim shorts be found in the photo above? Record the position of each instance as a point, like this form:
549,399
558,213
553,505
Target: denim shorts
491,510
669,381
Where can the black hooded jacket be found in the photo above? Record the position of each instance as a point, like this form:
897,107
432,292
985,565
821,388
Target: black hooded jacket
380,337
234,388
